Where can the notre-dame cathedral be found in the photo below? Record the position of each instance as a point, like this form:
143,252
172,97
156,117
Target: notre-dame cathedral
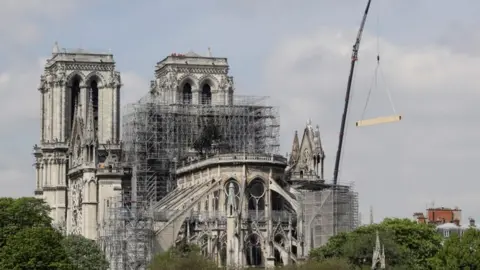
239,200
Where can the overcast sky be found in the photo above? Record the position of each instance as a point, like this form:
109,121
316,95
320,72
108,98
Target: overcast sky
298,53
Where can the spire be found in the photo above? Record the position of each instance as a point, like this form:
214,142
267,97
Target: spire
295,150
378,254
382,258
318,143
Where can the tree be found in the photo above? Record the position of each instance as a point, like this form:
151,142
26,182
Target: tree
407,244
17,214
34,248
183,257
84,253
420,241
208,135
459,252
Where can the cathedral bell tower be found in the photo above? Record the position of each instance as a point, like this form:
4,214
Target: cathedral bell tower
80,115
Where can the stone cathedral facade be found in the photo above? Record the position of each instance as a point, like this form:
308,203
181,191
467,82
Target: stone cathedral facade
76,160
241,203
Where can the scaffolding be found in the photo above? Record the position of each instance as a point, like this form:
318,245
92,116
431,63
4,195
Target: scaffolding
328,211
128,235
157,135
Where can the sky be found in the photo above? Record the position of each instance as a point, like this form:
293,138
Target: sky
298,53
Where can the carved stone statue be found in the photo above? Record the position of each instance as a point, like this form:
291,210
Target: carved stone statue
42,82
115,79
171,81
229,82
153,87
226,83
61,75
77,200
49,78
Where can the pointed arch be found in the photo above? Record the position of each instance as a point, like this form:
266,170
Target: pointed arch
95,76
94,81
255,177
226,177
75,75
92,190
187,78
208,79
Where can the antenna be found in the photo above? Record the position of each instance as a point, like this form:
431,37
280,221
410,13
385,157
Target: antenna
209,52
371,215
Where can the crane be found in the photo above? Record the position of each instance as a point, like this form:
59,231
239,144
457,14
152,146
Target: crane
356,47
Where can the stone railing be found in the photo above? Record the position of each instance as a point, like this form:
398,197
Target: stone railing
309,176
185,166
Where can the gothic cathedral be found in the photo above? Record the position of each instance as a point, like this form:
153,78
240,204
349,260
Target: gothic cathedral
77,160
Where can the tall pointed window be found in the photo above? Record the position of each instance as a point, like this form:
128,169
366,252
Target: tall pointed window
206,94
187,94
94,89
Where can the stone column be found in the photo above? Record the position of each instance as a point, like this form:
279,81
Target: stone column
196,98
37,176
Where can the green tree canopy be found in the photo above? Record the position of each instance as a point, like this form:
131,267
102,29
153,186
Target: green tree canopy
34,248
28,240
406,243
459,252
84,253
17,214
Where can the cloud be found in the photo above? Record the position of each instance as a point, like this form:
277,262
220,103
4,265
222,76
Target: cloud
20,21
399,166
134,87
20,99
21,28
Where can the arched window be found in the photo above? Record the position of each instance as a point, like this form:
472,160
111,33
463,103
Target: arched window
74,98
94,93
187,94
206,94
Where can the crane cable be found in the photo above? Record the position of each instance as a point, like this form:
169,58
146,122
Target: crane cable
374,83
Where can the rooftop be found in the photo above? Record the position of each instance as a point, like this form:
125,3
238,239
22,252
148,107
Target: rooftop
192,58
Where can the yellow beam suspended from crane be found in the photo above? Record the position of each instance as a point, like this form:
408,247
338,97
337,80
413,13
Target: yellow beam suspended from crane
379,120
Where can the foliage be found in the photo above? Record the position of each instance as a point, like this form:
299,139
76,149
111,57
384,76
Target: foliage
28,241
188,256
208,135
84,253
34,248
459,251
327,264
17,214
183,257
407,244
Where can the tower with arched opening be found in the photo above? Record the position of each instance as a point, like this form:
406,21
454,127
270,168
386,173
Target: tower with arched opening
192,79
79,139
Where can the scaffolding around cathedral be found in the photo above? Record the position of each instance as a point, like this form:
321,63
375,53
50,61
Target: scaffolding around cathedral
127,236
328,210
157,135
